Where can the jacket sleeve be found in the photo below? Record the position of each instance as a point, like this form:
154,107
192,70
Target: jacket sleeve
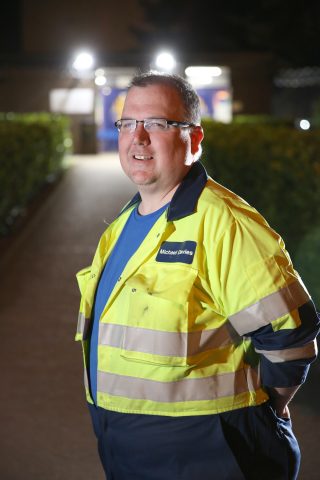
83,322
286,354
264,299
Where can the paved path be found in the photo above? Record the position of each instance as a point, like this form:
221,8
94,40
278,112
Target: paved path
45,429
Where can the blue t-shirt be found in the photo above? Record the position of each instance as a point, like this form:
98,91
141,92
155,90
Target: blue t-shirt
131,237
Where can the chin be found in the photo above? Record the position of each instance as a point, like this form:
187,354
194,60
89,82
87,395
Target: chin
141,179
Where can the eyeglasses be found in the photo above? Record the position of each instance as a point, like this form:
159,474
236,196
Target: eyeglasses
128,125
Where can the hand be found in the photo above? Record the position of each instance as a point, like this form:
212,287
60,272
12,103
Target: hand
283,412
280,398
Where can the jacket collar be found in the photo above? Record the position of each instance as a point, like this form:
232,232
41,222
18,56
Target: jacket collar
185,199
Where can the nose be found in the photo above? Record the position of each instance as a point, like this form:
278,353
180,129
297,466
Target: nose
140,135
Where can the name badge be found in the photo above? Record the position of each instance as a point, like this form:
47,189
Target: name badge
177,252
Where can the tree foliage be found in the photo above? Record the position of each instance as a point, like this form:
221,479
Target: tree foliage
277,170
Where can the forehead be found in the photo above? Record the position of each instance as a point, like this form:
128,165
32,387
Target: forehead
160,101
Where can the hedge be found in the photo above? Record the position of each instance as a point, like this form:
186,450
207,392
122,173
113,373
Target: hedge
270,120
32,148
277,170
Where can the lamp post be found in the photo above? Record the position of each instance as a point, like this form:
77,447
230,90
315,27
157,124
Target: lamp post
83,71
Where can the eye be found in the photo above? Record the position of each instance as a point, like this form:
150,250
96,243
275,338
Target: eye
128,125
155,124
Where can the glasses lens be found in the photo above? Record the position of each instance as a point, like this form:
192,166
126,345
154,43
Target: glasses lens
155,124
128,125
150,124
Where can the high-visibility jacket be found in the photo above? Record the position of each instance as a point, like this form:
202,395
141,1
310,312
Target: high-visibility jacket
173,336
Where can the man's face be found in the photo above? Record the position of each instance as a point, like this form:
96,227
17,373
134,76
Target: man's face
157,161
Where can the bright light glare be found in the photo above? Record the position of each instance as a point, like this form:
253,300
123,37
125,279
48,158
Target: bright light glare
165,61
99,72
304,124
203,72
83,61
100,80
197,80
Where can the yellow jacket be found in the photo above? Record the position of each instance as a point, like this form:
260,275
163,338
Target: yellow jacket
172,336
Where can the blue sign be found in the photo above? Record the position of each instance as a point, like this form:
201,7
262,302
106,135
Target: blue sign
113,101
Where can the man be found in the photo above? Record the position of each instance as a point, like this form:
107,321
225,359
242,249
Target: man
196,330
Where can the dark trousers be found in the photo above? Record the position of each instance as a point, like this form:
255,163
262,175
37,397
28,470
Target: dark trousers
250,443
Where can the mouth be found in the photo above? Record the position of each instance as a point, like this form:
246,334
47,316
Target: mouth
142,157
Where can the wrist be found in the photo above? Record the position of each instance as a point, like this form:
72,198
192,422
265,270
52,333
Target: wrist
282,412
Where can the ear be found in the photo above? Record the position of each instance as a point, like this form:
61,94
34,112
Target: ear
196,135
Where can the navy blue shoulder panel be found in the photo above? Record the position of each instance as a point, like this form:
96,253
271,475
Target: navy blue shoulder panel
185,199
134,200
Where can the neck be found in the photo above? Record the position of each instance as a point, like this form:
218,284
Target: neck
151,202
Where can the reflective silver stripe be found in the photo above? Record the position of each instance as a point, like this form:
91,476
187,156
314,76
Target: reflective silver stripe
210,388
86,379
269,308
276,356
83,325
177,344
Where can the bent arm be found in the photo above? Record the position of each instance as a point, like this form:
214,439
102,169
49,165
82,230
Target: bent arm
265,301
280,398
286,355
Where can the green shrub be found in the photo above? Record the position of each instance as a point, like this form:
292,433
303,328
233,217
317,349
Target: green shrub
277,170
32,147
263,120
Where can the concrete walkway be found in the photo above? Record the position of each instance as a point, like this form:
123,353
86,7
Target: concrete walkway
45,429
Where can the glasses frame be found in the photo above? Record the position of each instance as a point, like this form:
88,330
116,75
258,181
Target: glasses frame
172,123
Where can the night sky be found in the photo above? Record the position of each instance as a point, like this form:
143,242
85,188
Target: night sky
289,29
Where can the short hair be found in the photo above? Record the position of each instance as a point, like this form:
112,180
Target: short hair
187,93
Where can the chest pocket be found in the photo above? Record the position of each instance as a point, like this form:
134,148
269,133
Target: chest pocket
158,317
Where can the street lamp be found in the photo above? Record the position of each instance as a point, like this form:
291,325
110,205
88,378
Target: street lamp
83,99
304,124
100,77
83,62
165,61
